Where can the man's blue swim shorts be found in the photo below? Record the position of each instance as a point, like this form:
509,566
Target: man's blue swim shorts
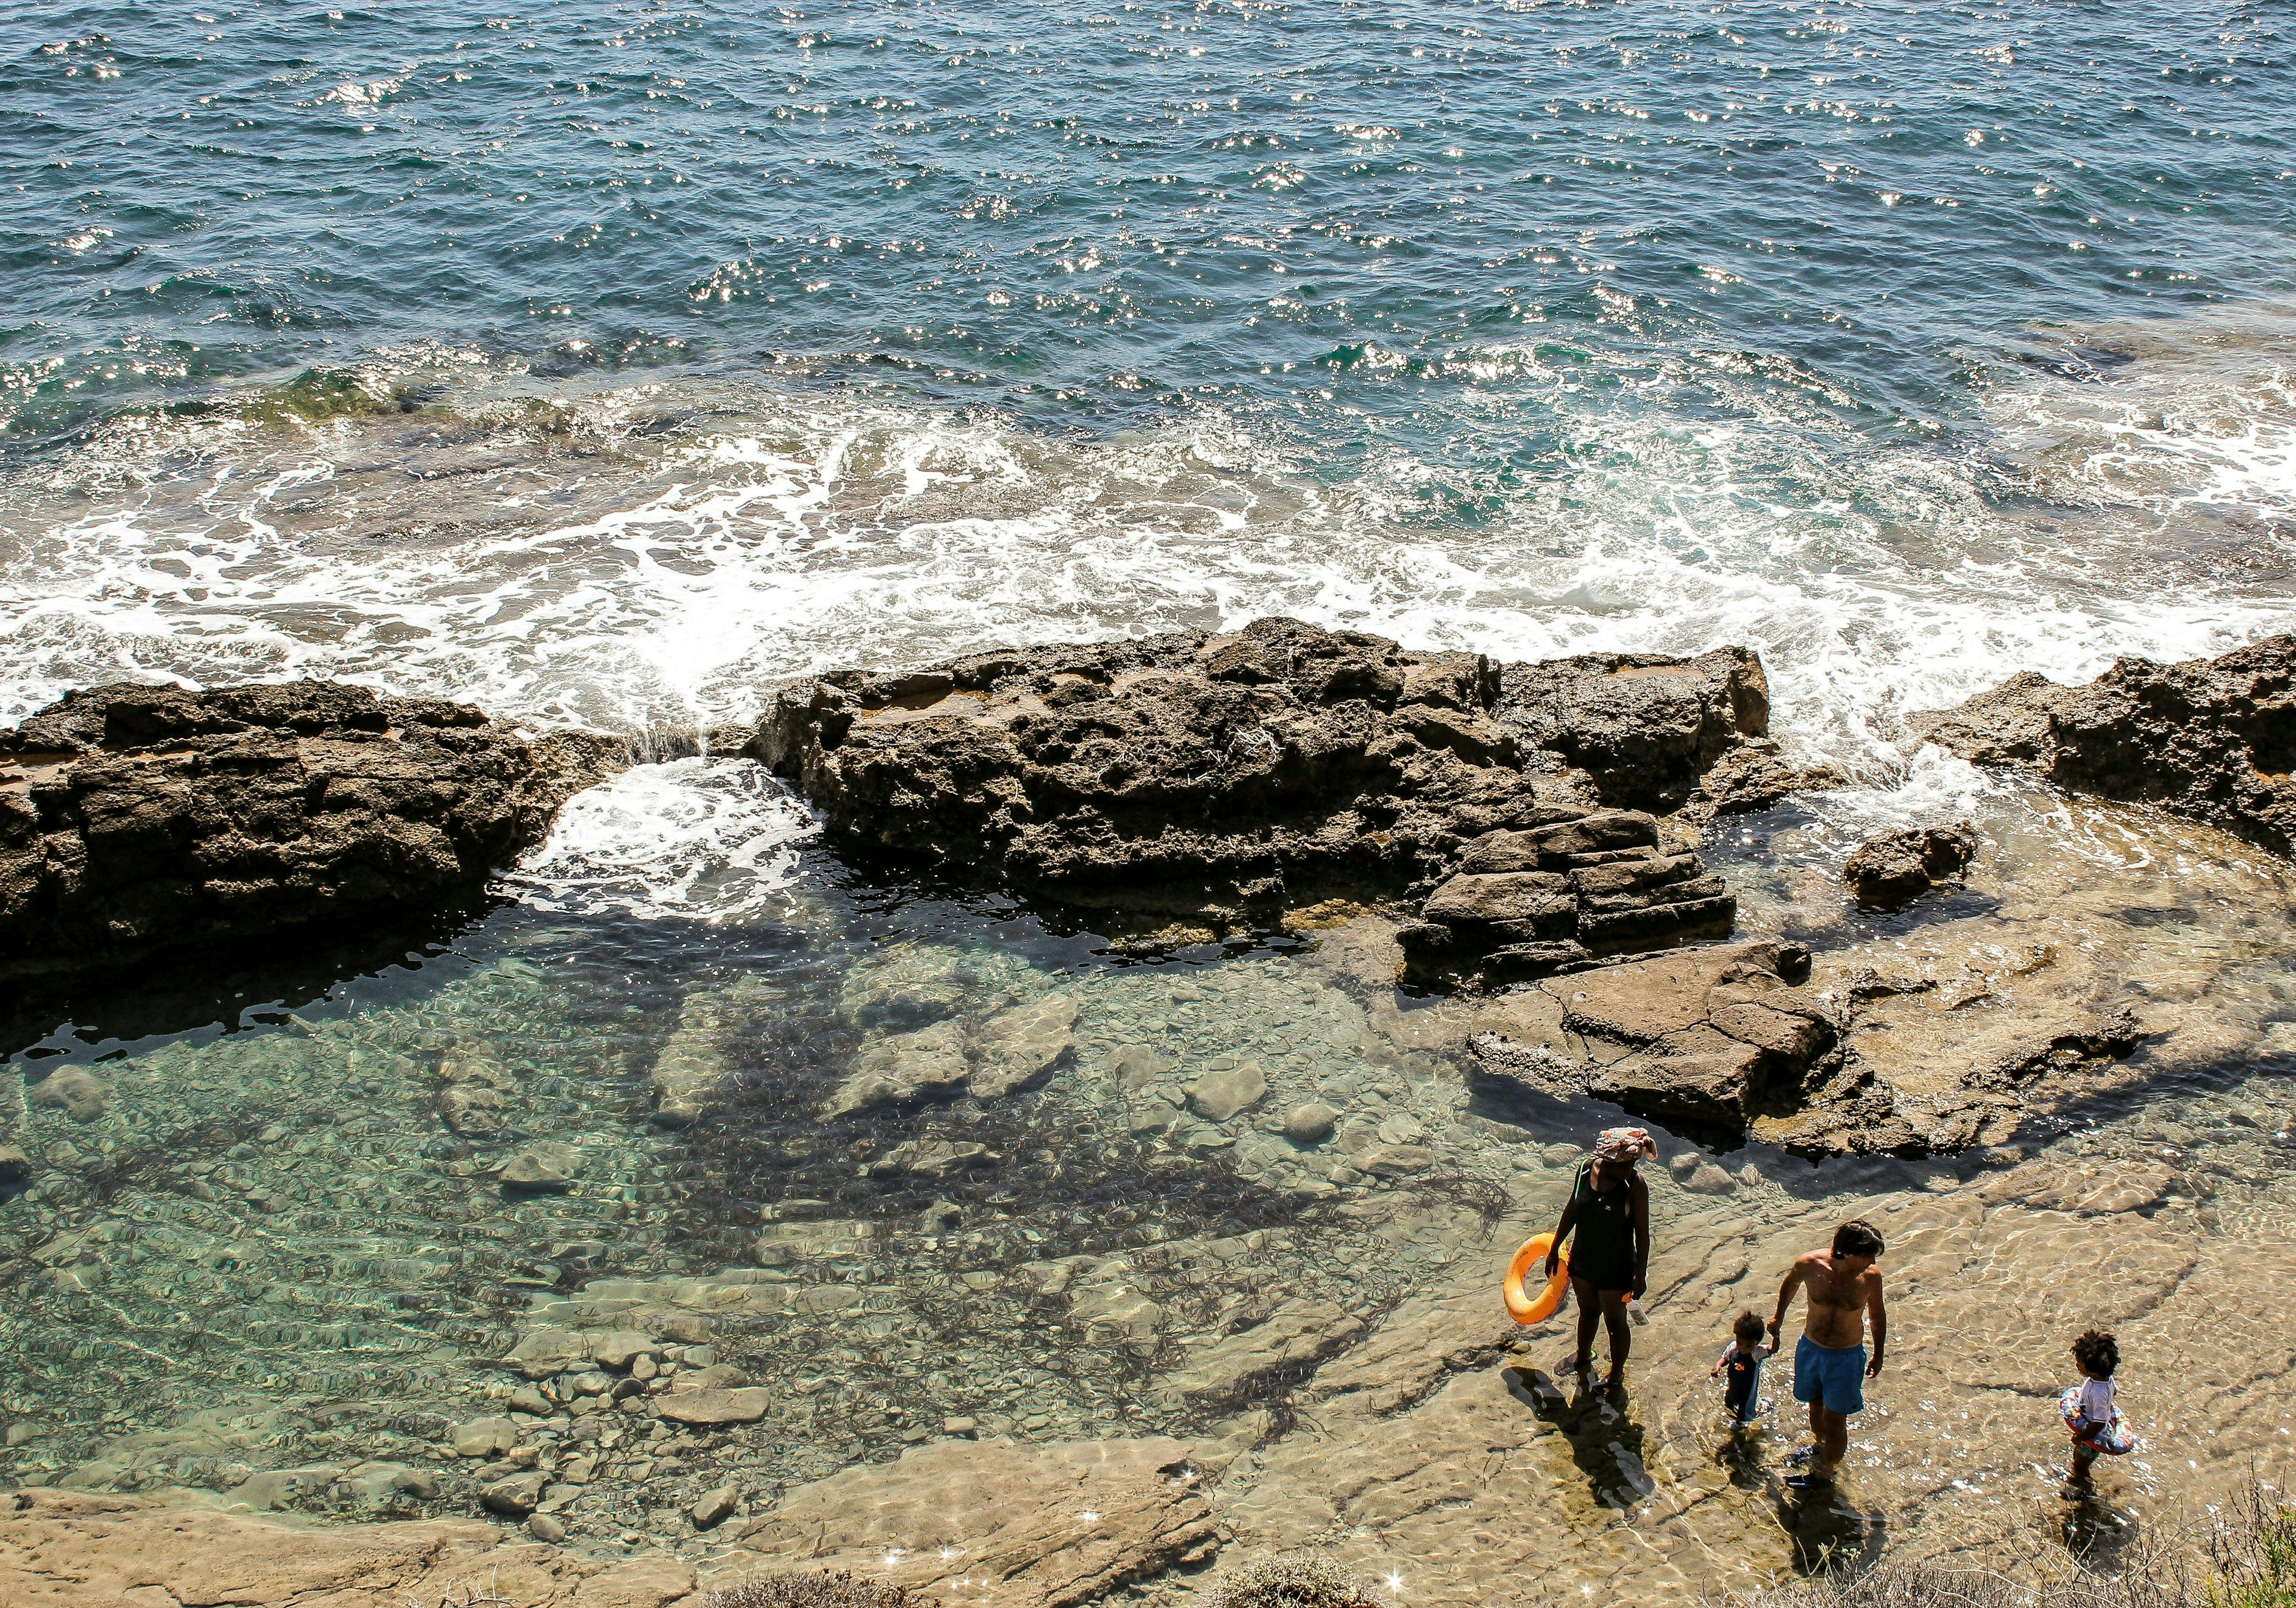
1832,1376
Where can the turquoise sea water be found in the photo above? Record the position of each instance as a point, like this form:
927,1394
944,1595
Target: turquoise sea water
1911,342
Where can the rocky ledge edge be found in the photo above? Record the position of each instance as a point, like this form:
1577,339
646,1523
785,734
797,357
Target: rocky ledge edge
1523,825
140,820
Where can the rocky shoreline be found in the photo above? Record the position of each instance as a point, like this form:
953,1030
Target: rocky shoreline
1238,1218
1182,786
141,820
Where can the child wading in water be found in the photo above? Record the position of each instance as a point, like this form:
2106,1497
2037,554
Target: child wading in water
2089,1411
1739,1365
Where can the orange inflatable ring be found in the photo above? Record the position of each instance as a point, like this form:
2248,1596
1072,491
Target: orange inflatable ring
1521,1305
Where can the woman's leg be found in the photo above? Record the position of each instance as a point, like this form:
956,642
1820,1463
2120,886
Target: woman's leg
1622,1333
1590,1312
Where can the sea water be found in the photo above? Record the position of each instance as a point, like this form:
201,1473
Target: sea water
610,364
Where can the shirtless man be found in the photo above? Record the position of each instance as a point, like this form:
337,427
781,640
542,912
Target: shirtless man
1829,1366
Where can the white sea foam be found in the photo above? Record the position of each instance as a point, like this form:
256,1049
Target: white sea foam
711,840
671,577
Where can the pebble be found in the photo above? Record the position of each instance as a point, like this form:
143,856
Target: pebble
516,1496
75,1091
1310,1124
1218,1095
485,1438
545,1529
1707,1179
543,1169
964,1428
713,1507
15,1168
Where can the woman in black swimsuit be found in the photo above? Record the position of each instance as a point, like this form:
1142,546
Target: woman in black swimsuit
1610,1259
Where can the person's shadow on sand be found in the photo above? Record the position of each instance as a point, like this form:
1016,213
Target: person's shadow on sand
1829,1536
1605,1440
2097,1533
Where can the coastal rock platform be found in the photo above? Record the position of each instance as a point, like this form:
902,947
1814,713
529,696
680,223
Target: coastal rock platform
135,819
1225,778
2214,739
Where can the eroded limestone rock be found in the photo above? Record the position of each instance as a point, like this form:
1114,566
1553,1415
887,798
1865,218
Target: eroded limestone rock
1644,728
2213,738
1898,866
1705,1038
142,819
1230,777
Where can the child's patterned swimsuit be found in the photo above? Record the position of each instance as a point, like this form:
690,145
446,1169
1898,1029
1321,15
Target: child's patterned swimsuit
1742,1377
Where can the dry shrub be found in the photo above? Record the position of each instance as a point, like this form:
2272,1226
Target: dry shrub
1295,1580
821,1590
2242,1558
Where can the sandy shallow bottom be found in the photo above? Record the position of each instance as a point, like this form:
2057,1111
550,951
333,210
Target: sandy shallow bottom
1015,1346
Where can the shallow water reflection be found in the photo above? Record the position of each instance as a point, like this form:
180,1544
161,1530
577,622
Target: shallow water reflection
1238,1198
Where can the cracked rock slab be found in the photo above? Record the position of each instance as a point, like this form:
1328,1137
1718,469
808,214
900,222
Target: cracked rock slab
1021,1526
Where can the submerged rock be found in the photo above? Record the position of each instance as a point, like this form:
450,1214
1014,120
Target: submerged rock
75,1091
140,818
2213,738
1900,866
1052,1525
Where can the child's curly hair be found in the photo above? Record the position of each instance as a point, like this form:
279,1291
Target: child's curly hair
1747,1330
2098,1353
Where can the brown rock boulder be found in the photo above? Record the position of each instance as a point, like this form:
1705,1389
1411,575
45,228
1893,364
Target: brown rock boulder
2214,739
1900,866
1702,1039
1179,775
140,818
1644,728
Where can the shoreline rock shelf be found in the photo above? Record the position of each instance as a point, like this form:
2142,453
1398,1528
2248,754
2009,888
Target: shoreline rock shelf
2210,738
141,819
1223,779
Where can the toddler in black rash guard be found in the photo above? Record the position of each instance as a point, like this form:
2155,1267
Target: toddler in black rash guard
1740,1368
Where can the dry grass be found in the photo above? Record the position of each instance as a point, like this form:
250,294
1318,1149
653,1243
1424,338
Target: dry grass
821,1590
1295,1580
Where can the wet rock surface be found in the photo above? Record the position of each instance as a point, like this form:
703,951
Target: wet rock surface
140,818
1704,1039
1642,727
1230,777
1897,867
2214,738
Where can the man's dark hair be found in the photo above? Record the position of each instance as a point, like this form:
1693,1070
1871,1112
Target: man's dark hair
2098,1353
1857,1238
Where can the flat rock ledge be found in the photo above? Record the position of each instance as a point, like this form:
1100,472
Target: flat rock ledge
1225,778
1703,1040
2214,739
139,818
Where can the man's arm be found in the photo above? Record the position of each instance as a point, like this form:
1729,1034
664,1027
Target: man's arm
1879,1314
1641,1236
1785,1299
